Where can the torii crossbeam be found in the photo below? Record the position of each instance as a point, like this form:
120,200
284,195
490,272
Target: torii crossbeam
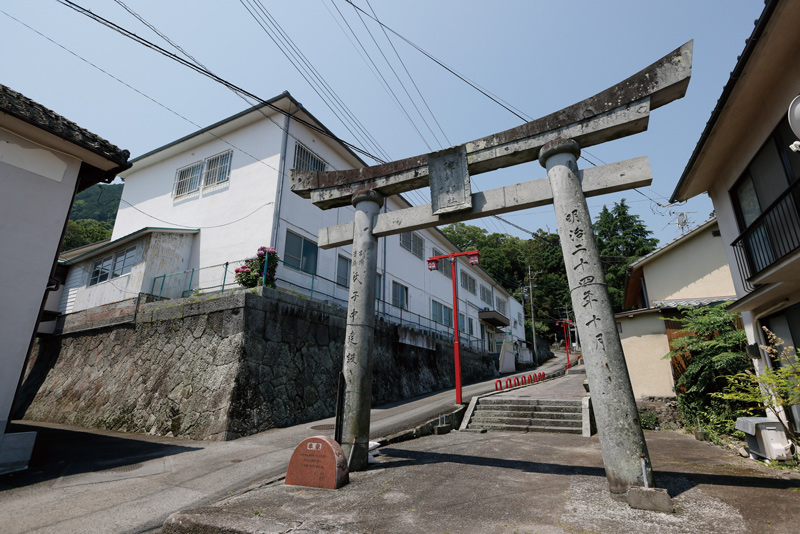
555,140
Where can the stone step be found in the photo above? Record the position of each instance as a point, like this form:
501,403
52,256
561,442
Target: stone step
521,421
527,408
529,402
524,428
528,414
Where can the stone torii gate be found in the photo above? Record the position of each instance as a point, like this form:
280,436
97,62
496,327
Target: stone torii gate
555,140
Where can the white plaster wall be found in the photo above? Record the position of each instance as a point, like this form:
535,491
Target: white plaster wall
36,188
695,268
234,220
644,343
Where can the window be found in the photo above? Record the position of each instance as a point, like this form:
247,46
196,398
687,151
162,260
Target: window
519,318
468,283
187,180
399,296
445,266
486,295
412,242
462,323
218,169
306,160
471,326
501,305
379,288
113,266
343,271
300,253
441,313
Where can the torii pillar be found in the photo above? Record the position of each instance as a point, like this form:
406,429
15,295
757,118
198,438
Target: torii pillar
621,437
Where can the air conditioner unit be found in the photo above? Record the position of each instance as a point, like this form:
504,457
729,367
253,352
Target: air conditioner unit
765,438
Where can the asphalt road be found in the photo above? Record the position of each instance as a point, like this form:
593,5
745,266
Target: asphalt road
87,481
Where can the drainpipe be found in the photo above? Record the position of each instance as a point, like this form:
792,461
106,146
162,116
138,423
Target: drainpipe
276,218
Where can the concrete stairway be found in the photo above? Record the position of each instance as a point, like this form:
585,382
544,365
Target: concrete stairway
527,415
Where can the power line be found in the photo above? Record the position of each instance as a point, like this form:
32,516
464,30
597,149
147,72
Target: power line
207,73
409,75
304,67
475,86
386,84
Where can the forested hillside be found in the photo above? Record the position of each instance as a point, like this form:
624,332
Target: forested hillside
92,216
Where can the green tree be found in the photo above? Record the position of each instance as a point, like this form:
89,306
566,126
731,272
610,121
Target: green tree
550,289
99,202
714,347
775,390
622,238
85,232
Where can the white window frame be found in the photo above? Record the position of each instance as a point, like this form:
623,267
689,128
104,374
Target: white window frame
112,266
305,244
305,159
500,305
187,180
399,300
444,264
486,295
414,243
217,169
441,313
343,267
469,282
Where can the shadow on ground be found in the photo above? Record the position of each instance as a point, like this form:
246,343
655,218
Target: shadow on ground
67,451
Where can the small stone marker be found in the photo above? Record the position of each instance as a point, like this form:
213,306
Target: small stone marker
318,462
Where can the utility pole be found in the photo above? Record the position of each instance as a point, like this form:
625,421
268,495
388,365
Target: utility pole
533,319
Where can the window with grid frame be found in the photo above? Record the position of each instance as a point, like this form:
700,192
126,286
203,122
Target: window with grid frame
399,296
343,266
217,169
469,283
300,253
306,160
187,180
113,266
486,295
441,313
413,242
445,266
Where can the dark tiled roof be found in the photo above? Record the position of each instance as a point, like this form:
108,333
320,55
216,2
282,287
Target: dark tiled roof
25,109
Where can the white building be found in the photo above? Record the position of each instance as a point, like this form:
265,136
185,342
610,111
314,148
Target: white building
214,197
744,163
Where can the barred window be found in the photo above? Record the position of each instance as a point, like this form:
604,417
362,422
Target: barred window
218,169
412,242
187,180
306,160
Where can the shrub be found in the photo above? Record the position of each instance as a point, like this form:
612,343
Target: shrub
648,419
252,272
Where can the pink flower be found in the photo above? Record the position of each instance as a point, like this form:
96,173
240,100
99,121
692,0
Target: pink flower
247,271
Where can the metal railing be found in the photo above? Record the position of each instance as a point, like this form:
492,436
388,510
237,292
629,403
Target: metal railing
771,237
221,278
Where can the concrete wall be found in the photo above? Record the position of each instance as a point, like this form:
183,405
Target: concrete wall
695,268
644,342
219,367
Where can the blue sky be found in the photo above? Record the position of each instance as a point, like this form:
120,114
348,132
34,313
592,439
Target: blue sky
539,56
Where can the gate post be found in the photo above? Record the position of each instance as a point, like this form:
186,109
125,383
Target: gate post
360,332
621,437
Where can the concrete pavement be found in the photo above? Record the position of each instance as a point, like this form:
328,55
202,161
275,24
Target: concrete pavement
88,481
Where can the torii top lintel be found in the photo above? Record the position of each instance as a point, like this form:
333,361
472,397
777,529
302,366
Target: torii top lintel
618,111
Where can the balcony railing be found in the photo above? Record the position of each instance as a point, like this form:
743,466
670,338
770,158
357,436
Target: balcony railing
770,238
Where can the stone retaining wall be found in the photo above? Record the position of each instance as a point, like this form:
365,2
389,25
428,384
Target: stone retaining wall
221,368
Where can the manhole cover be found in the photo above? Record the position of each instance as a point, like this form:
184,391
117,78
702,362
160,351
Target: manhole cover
123,468
323,427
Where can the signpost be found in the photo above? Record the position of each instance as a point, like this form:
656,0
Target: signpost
555,140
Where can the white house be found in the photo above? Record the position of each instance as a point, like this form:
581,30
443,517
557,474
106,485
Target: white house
219,194
744,163
45,160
